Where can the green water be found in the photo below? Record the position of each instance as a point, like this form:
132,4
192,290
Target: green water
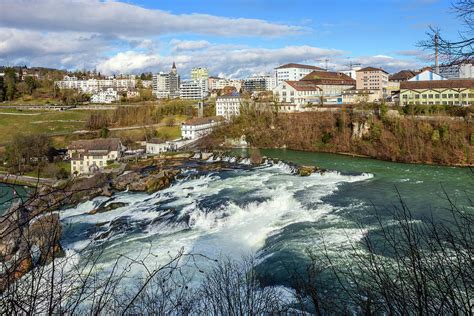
7,195
423,187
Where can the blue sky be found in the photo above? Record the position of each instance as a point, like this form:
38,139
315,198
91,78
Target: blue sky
233,38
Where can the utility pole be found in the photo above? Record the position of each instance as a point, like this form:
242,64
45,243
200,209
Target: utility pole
436,39
326,62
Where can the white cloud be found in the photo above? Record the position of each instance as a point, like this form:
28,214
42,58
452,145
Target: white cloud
124,19
180,45
224,59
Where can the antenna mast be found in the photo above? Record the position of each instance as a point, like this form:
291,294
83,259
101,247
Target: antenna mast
436,39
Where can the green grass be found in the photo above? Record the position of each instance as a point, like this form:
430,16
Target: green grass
172,132
39,122
59,164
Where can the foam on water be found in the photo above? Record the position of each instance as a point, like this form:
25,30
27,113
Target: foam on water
231,213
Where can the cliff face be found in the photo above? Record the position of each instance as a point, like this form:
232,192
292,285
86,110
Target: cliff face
440,140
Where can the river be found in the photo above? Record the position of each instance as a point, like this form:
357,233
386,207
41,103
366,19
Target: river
266,211
7,194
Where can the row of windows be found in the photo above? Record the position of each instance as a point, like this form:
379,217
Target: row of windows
88,163
440,96
443,103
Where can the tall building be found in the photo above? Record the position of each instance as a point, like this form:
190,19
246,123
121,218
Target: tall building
174,82
259,83
166,85
199,73
293,72
371,78
463,70
194,89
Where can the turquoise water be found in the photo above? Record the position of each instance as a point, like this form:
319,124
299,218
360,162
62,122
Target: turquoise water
7,194
267,211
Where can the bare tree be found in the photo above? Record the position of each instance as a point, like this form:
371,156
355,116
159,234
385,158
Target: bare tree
233,288
454,51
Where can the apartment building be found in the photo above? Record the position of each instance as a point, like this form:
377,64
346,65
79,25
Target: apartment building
259,83
228,106
199,73
216,83
293,72
199,127
90,156
444,92
371,78
194,89
96,85
166,85
106,96
299,93
464,70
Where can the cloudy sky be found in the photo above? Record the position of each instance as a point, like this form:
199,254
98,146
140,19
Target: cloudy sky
234,38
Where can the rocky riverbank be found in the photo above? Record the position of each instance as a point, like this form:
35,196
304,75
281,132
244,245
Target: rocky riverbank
30,233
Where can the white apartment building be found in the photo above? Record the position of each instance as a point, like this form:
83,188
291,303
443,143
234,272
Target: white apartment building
166,85
293,72
194,89
216,83
96,85
259,83
199,127
299,93
90,156
463,70
105,96
161,85
228,106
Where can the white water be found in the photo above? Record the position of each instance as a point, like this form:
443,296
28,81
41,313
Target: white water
231,213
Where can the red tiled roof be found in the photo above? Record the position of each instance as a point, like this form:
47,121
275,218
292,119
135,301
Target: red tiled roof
403,75
329,77
438,84
293,65
304,85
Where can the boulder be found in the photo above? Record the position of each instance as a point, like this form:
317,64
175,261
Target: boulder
107,208
161,180
305,171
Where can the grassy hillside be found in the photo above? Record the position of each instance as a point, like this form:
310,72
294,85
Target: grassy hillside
44,122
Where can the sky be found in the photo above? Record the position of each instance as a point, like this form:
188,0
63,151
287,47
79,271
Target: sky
232,38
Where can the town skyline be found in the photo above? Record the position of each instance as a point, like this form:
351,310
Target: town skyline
234,39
